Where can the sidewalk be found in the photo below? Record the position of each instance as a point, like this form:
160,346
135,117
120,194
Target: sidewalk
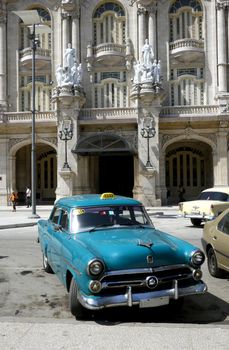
22,217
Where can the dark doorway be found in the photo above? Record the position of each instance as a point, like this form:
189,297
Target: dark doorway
116,174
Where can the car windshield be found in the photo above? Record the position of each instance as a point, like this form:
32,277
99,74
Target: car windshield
214,196
86,218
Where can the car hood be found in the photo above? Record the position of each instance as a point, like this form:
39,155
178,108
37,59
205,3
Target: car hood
129,248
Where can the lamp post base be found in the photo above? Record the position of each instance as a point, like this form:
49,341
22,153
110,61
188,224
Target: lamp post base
34,216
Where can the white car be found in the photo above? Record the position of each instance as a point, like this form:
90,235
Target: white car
210,203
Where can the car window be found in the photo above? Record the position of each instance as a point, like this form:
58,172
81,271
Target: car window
82,218
223,225
214,196
55,215
64,220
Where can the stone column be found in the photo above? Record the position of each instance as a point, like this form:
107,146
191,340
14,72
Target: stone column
221,53
152,29
3,101
66,31
75,33
141,29
221,169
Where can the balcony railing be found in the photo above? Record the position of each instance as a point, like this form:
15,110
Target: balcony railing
24,117
189,111
186,44
108,114
41,53
109,48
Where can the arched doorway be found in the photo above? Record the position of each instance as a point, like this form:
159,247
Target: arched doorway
46,173
111,162
189,165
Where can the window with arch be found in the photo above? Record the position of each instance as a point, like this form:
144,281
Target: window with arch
186,20
109,24
187,86
110,90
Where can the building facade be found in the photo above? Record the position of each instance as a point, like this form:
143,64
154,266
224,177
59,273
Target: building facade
130,96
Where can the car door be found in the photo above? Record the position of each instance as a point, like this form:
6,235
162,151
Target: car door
221,242
52,251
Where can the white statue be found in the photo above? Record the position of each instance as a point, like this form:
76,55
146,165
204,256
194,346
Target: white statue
147,54
69,57
158,71
74,72
137,72
59,74
80,74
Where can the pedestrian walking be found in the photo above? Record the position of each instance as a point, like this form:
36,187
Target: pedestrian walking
28,197
13,199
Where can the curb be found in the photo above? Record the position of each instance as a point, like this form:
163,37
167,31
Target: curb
27,224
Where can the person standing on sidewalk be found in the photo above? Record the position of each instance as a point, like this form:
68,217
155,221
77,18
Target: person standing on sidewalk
13,199
28,197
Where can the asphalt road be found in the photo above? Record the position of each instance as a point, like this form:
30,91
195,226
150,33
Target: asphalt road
31,300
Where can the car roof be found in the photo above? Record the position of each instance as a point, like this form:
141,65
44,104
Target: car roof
218,189
88,200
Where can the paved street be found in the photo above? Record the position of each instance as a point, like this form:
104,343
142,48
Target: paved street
34,305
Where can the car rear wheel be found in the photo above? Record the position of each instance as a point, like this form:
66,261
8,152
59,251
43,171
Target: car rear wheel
213,265
46,265
196,222
76,308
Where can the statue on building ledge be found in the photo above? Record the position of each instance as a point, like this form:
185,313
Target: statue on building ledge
147,72
70,74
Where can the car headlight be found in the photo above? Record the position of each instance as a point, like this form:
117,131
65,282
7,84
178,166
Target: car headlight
95,286
197,257
95,267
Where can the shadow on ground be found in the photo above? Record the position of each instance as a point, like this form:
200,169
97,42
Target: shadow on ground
204,309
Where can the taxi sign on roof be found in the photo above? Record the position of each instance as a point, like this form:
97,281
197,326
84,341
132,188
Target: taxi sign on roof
107,195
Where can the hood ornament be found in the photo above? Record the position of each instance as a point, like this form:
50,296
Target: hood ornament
145,244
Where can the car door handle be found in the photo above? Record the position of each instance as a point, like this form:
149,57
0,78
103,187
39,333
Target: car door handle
214,238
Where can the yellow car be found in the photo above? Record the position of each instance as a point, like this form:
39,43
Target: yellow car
215,242
211,203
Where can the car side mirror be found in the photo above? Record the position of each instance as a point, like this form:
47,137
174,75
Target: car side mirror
58,228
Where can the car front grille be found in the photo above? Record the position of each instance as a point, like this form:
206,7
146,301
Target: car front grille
136,279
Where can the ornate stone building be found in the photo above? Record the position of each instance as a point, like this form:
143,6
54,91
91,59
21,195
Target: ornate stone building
130,96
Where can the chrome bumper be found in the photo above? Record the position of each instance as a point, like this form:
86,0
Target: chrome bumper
130,299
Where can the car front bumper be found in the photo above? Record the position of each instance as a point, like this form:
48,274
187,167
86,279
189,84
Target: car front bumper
197,216
148,299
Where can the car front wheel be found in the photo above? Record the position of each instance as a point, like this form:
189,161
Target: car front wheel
76,308
213,265
196,222
46,265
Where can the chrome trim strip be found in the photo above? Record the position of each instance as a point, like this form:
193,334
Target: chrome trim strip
99,302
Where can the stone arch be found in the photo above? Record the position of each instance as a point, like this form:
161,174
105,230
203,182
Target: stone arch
46,167
186,161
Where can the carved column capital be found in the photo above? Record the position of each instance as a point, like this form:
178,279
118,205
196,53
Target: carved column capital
222,4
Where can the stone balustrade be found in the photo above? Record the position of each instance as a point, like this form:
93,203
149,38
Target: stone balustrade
110,47
39,52
190,111
108,113
186,43
23,117
96,114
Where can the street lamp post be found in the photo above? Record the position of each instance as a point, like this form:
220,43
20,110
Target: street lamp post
32,19
66,135
148,131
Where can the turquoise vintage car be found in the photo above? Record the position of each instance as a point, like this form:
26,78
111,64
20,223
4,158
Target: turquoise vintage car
107,253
